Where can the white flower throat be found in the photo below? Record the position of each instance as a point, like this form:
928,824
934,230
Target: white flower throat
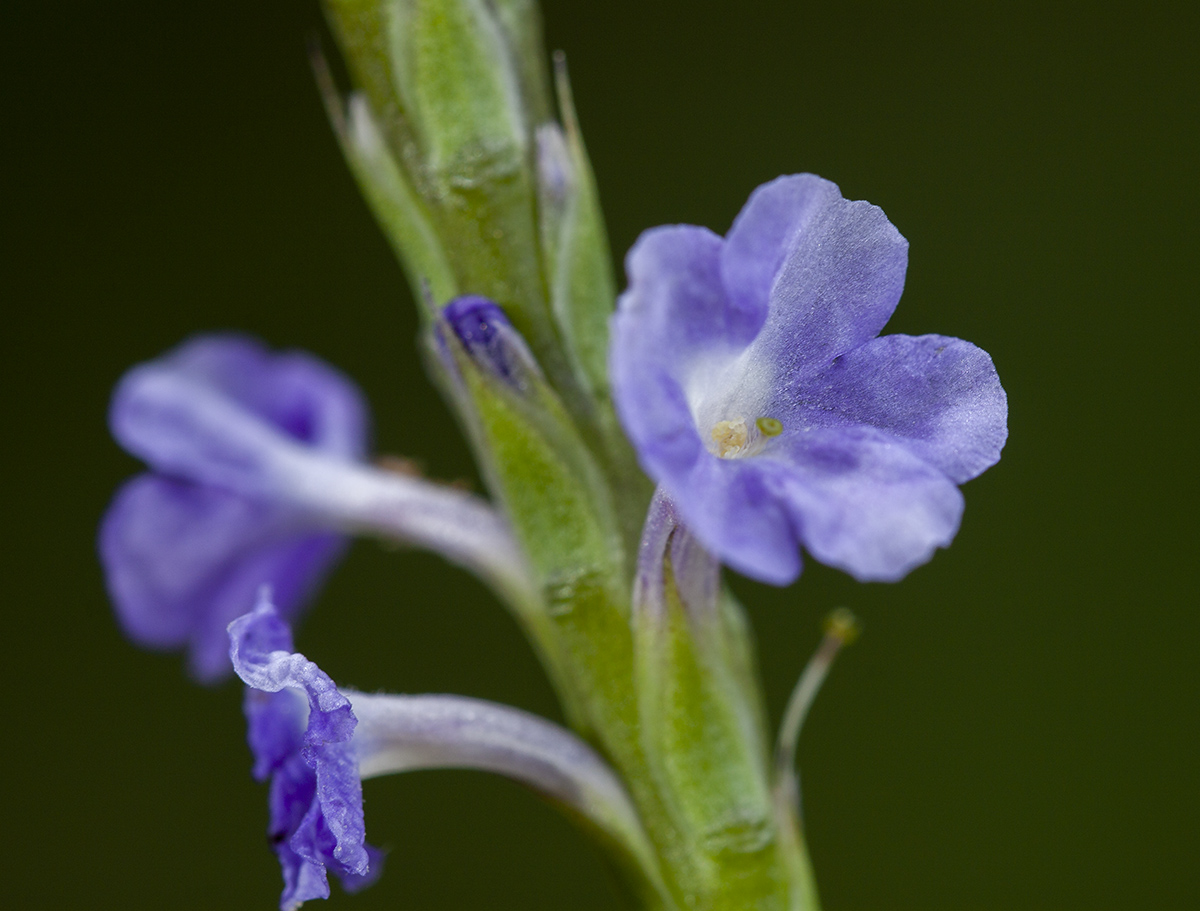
721,389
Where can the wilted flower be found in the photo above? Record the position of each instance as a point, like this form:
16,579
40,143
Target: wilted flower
300,727
316,743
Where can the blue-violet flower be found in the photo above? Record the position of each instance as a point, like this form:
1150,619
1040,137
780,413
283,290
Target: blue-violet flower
186,547
258,473
748,373
300,728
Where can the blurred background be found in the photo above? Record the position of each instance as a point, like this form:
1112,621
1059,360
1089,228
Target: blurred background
1016,729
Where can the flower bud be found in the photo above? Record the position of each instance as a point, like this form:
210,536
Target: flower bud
489,340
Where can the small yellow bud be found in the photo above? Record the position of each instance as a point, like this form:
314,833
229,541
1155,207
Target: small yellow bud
842,625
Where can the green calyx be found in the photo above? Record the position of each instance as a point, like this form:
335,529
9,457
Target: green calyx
702,731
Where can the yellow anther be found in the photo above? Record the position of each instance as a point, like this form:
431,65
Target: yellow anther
769,427
731,437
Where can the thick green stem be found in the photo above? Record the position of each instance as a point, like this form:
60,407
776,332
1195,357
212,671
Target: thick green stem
482,193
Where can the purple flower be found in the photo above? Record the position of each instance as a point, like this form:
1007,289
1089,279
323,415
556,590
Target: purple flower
259,472
300,729
316,743
185,548
748,373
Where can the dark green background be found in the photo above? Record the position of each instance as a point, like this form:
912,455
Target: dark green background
1018,726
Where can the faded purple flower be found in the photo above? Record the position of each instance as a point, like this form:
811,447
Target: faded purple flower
748,373
300,728
186,547
258,461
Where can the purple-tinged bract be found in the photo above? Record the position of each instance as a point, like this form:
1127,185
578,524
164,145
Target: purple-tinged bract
186,547
300,729
749,373
485,334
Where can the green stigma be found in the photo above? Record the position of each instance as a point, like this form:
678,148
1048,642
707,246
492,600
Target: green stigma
769,427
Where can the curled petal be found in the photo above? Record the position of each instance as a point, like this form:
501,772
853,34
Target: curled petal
316,808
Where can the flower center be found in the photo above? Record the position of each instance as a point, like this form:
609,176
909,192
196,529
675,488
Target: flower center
735,439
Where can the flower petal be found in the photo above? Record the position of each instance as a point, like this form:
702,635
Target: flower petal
261,652
225,411
939,395
676,297
300,838
735,513
182,560
673,314
861,501
831,269
292,391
